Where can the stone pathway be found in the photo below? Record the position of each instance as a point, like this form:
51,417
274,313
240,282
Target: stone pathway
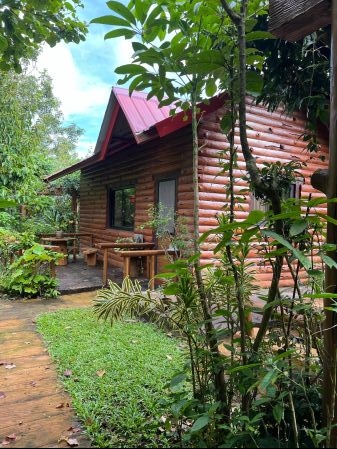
35,411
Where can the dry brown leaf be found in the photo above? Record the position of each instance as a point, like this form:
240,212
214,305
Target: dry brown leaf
74,429
10,366
72,442
11,437
100,373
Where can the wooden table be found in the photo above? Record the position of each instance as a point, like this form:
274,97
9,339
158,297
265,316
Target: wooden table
115,245
150,254
61,242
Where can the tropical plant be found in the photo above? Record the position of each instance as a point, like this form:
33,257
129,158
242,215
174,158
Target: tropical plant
29,275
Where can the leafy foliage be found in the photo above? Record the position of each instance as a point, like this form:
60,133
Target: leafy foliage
33,142
26,272
26,24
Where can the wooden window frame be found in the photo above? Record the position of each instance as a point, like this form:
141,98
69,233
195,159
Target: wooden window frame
111,202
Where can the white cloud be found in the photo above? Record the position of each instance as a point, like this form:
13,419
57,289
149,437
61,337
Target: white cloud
82,76
78,92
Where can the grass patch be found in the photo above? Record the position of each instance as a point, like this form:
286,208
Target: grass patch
118,374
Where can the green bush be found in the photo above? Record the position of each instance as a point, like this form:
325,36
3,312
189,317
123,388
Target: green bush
30,274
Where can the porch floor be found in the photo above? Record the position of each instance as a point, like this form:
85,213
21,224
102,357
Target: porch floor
78,277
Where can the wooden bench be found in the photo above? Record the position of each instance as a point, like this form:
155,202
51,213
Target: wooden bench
90,256
150,254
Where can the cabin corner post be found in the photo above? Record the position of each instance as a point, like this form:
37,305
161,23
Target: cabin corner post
330,324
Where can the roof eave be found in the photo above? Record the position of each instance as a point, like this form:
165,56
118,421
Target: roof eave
75,167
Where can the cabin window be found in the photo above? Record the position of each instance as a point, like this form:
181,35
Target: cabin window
166,200
294,191
121,207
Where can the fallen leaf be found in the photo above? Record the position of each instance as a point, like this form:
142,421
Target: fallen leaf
72,442
2,395
74,429
10,366
68,373
11,437
100,373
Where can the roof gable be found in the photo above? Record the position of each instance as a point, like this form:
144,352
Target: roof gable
134,119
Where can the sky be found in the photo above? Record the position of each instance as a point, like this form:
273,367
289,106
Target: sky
83,74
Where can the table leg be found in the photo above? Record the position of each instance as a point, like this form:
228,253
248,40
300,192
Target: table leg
126,268
151,271
105,266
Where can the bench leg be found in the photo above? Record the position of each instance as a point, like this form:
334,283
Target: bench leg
92,259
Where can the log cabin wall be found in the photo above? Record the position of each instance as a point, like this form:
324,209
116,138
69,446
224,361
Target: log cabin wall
141,165
272,137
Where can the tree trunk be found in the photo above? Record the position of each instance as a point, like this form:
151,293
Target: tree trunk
330,325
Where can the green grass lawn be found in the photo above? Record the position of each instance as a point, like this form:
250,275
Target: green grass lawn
116,375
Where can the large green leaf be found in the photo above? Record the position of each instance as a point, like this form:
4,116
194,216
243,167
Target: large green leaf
254,82
297,227
133,69
122,10
296,253
111,20
119,32
255,35
7,203
200,423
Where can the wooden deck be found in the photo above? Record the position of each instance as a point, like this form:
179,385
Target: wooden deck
35,411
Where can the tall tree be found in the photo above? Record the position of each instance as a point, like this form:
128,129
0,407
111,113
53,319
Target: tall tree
33,140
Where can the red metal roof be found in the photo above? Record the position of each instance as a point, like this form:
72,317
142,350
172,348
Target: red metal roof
141,113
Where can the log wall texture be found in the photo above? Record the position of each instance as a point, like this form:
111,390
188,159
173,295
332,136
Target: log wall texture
272,136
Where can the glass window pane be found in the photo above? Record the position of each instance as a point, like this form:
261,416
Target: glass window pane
167,202
122,207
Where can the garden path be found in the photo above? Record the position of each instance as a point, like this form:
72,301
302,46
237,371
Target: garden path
35,411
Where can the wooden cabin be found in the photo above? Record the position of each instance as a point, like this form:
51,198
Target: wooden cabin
144,156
